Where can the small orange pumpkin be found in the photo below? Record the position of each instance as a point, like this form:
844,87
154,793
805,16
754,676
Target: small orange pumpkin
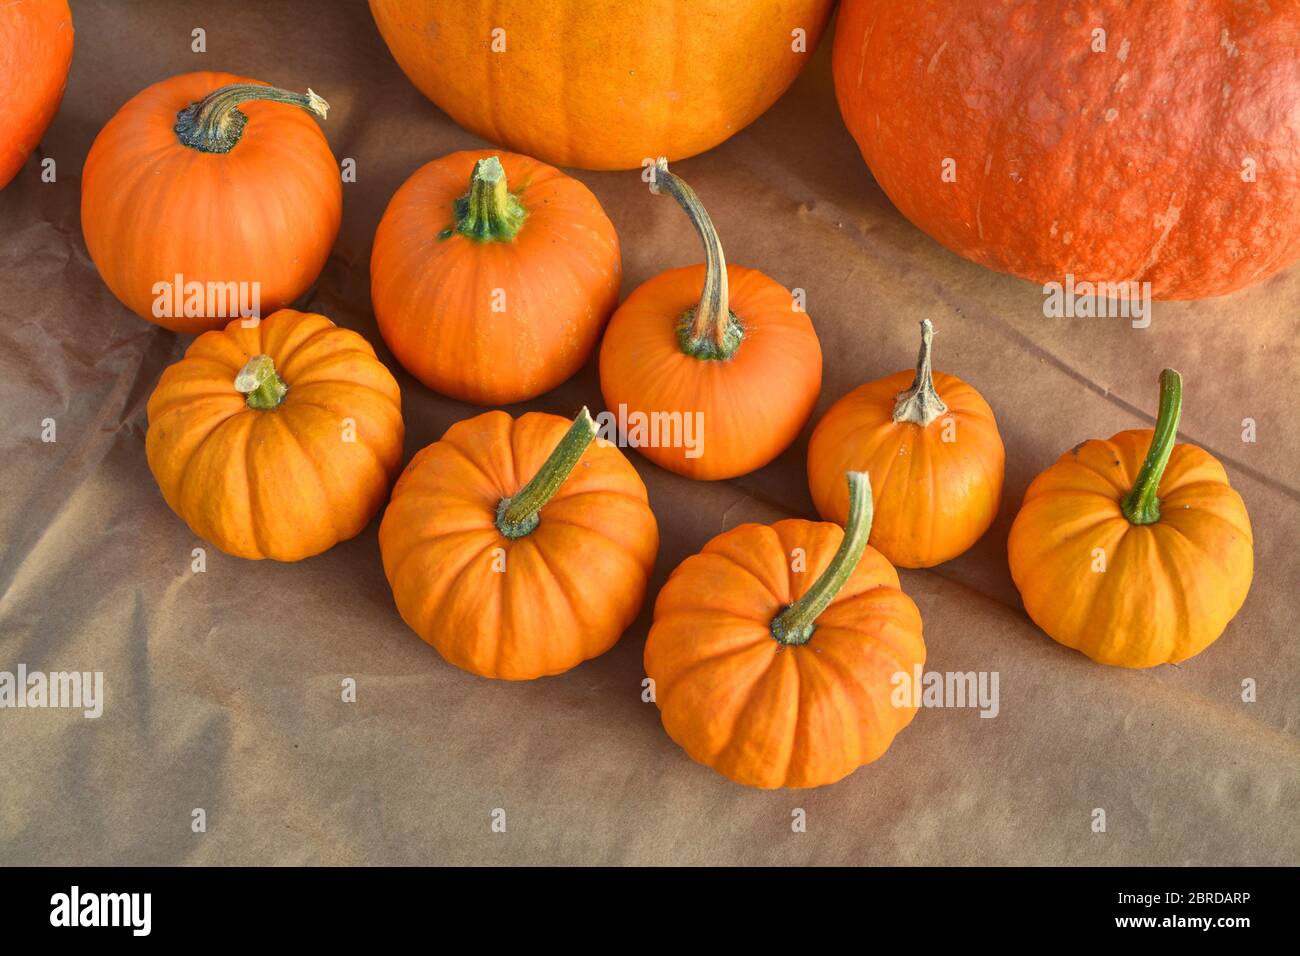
935,457
777,677
1134,561
518,548
715,365
487,295
277,440
35,53
209,197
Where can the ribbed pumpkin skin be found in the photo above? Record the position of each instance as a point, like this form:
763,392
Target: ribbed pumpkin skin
151,208
933,499
602,84
35,53
569,588
753,404
1169,588
434,298
285,483
766,714
1115,166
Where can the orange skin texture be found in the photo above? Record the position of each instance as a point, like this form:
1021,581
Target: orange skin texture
433,297
763,713
1169,588
35,53
282,483
1123,165
602,84
932,499
151,208
569,588
754,403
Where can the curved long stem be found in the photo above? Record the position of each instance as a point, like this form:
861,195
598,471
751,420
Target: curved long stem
518,514
215,123
710,330
261,384
795,624
489,212
1141,505
921,404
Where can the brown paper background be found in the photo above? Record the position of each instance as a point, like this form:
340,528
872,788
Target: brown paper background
223,688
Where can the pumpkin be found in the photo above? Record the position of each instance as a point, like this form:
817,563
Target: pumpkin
519,548
489,295
711,370
35,53
276,439
1051,139
1135,551
776,651
604,84
209,197
934,454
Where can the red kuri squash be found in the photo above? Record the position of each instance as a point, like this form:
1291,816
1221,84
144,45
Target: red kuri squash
209,196
35,53
602,84
1115,142
490,295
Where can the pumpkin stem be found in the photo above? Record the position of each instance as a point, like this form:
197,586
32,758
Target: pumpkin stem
489,212
259,381
1141,506
921,404
710,330
795,624
215,123
519,515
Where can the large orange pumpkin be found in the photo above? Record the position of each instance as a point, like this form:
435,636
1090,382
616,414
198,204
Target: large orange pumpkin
517,547
490,295
35,53
1135,551
710,370
277,440
602,84
1116,142
209,196
934,455
776,651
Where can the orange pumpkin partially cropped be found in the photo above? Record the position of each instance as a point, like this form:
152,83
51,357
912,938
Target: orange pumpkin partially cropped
1134,551
517,547
209,197
276,441
934,454
35,53
776,651
602,84
714,368
489,295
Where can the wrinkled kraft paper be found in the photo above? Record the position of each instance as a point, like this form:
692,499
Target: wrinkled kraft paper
223,688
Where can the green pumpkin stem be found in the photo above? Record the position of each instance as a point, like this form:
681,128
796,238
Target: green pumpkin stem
259,382
215,123
795,624
489,212
710,330
1141,505
921,404
520,514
